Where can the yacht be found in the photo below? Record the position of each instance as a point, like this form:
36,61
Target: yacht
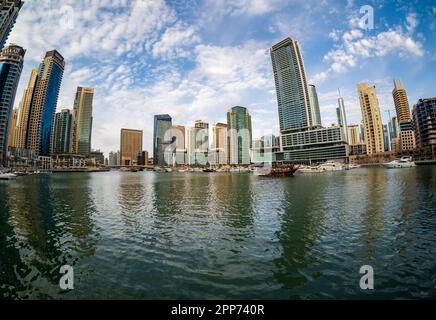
310,169
332,166
7,176
404,162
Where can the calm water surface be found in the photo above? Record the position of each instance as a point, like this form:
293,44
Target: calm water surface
204,236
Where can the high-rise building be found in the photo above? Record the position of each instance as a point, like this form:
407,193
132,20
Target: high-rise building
161,137
386,138
11,65
424,122
44,103
342,117
314,106
354,134
179,132
302,139
9,10
407,135
198,143
401,102
240,135
219,145
131,146
177,152
291,87
24,111
62,132
12,131
372,118
114,158
143,158
82,121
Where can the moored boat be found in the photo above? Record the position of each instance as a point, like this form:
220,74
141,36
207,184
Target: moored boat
276,170
7,176
404,162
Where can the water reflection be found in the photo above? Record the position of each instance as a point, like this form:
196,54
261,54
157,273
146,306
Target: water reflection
201,236
51,221
302,225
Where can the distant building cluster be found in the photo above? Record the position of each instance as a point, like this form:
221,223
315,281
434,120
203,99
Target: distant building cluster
34,135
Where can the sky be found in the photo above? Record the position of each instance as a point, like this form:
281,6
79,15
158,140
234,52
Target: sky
195,59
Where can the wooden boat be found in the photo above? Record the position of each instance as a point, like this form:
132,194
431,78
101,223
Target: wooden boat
276,170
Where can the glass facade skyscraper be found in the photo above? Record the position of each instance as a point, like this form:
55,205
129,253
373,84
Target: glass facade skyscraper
162,127
82,121
239,135
291,87
303,138
62,132
44,103
314,106
8,15
11,65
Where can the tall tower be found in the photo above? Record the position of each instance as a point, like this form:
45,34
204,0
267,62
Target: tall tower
303,138
62,132
314,106
161,139
82,121
401,102
371,118
407,135
44,103
24,111
239,135
291,87
219,132
8,15
12,131
11,65
343,117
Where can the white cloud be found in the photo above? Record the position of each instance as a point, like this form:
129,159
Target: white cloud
355,47
174,41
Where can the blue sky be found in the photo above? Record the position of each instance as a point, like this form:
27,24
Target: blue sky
195,59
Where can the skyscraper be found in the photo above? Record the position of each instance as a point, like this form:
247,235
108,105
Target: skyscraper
407,135
342,117
44,103
219,145
62,132
12,131
161,137
114,158
291,87
354,134
239,135
372,118
131,146
11,65
303,140
82,121
24,111
424,122
8,15
314,106
401,102
386,137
